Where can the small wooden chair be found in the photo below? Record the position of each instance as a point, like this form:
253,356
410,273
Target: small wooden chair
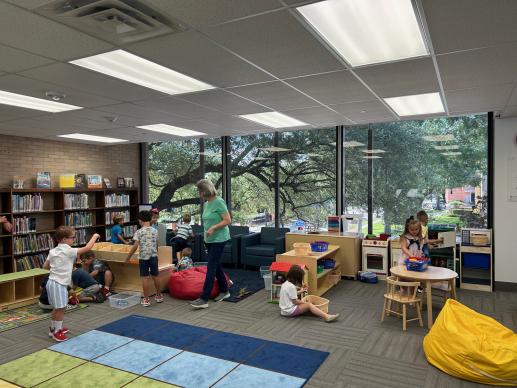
396,293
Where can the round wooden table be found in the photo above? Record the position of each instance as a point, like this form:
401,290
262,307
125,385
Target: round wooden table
429,276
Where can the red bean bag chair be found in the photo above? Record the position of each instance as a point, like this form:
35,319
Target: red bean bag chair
188,284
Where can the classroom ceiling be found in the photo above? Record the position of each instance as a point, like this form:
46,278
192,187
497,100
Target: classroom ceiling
260,57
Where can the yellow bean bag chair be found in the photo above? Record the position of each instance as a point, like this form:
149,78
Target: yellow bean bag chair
472,346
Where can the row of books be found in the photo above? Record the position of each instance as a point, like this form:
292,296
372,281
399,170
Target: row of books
79,219
27,202
33,243
28,262
82,236
111,214
128,231
24,225
76,201
113,200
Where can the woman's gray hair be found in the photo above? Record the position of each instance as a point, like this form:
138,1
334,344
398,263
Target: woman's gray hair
206,187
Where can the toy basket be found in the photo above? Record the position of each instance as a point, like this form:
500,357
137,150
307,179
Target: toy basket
418,266
329,263
335,277
301,249
318,301
319,246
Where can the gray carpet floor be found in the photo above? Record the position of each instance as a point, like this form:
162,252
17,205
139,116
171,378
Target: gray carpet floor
363,351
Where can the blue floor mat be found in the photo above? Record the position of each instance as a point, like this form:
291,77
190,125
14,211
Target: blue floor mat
245,283
134,326
178,335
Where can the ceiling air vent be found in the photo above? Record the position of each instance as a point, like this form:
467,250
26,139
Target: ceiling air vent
118,21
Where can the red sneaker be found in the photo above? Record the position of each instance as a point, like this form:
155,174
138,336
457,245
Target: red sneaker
59,336
64,330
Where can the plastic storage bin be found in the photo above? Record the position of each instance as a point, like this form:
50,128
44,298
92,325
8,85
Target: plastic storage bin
319,246
418,266
264,271
267,282
125,299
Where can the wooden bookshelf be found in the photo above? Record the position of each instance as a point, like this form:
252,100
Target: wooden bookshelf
55,211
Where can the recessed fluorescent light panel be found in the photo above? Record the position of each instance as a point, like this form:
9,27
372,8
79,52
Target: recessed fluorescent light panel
100,139
275,149
446,147
367,31
418,104
372,157
171,130
438,138
128,67
22,101
351,144
274,119
374,151
451,153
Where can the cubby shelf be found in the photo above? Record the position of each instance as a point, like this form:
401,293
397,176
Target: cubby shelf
47,220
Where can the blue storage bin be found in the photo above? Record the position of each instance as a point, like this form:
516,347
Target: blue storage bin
476,260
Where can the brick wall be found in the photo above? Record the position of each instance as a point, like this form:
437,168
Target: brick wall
26,156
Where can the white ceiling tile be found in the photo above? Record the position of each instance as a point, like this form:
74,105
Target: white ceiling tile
318,116
30,4
509,111
278,43
373,111
22,85
197,13
404,78
13,60
224,102
465,24
144,114
8,113
27,31
478,67
68,75
174,106
193,54
513,97
333,88
275,95
483,99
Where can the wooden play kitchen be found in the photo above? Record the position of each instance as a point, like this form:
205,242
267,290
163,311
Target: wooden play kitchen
20,288
318,283
127,275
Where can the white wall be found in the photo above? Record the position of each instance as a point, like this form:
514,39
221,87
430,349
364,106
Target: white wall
505,212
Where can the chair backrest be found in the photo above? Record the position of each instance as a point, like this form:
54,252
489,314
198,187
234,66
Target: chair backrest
268,234
235,230
401,289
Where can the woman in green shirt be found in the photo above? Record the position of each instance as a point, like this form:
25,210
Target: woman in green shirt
216,219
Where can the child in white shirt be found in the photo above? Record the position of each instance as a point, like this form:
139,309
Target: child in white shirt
290,305
61,261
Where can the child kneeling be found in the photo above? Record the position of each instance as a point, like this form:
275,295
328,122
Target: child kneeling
290,305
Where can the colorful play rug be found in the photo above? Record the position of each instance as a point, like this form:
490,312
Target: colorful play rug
24,315
245,283
140,351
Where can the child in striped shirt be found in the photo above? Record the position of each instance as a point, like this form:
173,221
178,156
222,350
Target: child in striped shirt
183,232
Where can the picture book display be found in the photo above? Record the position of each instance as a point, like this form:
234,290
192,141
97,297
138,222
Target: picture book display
43,180
94,182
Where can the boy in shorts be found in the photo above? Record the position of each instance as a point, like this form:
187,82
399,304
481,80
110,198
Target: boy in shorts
60,261
147,239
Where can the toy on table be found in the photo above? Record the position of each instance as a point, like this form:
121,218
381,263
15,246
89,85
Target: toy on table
418,264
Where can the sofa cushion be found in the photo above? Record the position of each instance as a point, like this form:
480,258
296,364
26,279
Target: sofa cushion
261,250
235,230
269,235
228,248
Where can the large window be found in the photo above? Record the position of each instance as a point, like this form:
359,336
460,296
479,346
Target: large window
175,167
307,178
252,181
439,165
355,173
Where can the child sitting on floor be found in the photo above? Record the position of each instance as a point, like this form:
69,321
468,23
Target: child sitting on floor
185,261
290,305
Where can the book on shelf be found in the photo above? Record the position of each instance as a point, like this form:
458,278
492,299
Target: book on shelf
121,183
94,181
128,231
76,201
80,181
111,214
27,202
79,219
117,200
107,183
29,262
24,225
67,181
43,180
33,243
